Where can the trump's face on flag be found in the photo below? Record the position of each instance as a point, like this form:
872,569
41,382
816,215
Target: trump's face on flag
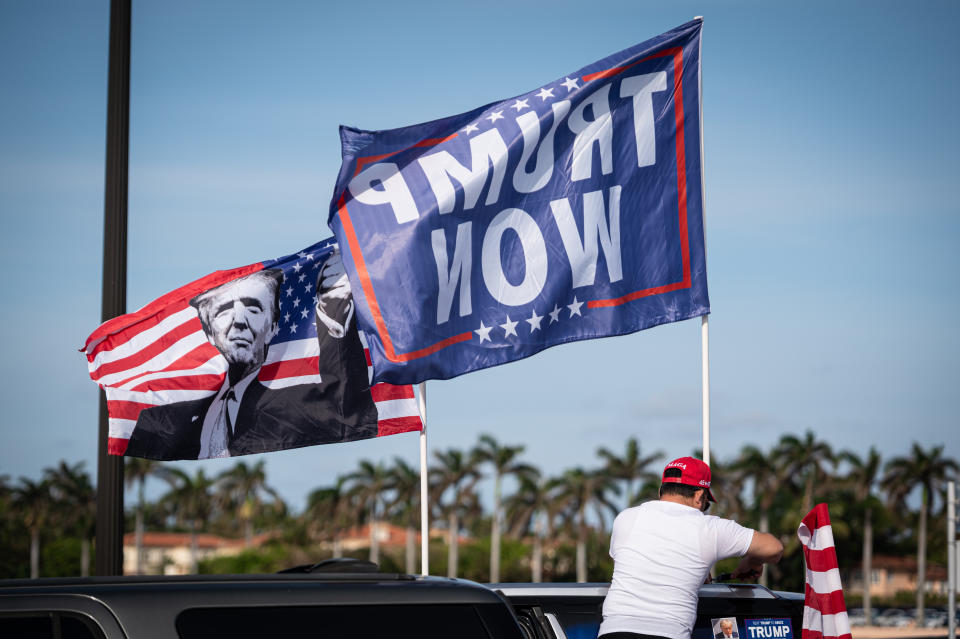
240,319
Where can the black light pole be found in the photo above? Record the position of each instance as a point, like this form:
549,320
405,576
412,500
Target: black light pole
109,539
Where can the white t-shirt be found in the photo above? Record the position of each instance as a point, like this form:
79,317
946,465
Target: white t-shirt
662,552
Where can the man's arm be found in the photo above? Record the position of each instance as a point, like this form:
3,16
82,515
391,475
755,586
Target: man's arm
764,549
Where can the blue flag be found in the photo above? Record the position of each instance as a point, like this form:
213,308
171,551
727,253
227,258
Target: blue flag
570,212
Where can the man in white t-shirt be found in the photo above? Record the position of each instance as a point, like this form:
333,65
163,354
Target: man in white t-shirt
663,551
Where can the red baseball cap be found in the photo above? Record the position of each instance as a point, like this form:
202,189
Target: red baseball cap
689,471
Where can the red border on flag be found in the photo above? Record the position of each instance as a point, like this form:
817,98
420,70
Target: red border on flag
367,283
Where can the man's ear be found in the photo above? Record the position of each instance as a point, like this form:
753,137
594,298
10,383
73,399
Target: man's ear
274,329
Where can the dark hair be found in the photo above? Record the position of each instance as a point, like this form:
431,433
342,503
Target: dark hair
679,489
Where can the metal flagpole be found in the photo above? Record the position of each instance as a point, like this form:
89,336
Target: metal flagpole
952,570
705,373
424,501
704,322
109,517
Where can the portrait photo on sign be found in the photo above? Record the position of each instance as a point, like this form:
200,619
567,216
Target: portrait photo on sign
725,628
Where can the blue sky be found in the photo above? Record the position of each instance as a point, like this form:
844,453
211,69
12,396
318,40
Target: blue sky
831,209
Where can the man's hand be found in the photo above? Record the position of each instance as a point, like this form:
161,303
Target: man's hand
747,570
333,282
334,301
764,549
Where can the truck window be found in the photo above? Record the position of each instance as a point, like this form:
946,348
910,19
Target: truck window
48,625
437,621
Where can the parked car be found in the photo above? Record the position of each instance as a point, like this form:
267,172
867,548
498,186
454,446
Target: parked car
935,618
857,616
574,611
332,604
348,598
893,618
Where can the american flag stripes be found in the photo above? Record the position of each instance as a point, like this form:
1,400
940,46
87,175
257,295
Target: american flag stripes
824,612
160,355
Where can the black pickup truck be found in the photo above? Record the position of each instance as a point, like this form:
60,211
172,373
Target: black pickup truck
254,607
344,602
573,611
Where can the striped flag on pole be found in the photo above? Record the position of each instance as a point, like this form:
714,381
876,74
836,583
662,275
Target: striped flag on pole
824,612
259,358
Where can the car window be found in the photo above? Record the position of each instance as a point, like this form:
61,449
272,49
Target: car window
394,621
48,625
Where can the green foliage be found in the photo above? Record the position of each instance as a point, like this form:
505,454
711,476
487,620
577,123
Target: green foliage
267,559
60,557
575,504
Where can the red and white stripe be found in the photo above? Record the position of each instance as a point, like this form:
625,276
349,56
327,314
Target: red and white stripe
160,355
824,612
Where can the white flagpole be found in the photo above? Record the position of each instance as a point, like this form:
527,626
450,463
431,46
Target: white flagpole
424,501
704,323
705,366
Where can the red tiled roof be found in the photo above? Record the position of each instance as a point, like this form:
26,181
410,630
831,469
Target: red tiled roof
173,540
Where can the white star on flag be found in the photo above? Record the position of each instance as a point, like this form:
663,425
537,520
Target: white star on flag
302,277
520,104
571,84
575,307
484,332
545,93
303,255
496,115
554,314
289,291
510,328
470,128
297,267
296,302
293,328
286,318
534,321
304,313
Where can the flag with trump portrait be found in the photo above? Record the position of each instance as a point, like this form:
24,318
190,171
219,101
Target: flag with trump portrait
570,212
259,358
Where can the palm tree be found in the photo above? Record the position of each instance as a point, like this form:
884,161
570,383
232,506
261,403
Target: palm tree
245,487
575,491
862,476
504,462
804,458
455,477
328,513
71,487
526,510
403,481
928,470
726,484
368,484
766,473
191,501
33,503
630,467
136,470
